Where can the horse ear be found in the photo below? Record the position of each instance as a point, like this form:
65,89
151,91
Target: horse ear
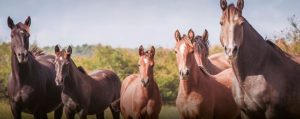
152,50
223,4
240,5
10,23
191,35
141,50
205,35
69,51
56,49
177,35
28,21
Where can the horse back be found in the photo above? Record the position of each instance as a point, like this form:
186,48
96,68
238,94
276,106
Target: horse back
220,61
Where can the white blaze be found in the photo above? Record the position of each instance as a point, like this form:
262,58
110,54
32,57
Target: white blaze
146,61
182,48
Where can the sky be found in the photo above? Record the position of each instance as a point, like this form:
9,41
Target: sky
131,23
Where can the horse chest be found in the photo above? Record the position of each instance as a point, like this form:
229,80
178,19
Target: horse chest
70,103
253,93
189,105
25,95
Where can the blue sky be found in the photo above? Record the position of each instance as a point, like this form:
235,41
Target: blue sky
130,23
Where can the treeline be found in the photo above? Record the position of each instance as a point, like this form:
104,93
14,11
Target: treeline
123,61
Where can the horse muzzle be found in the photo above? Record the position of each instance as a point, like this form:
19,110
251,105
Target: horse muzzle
231,52
22,57
184,73
59,81
145,82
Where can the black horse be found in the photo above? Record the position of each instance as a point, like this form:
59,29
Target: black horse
31,86
86,94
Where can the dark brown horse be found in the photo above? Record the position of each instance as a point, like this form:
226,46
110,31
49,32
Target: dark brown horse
215,64
201,95
82,93
140,97
31,85
267,83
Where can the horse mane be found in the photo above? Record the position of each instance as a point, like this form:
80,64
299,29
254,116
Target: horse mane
277,48
81,69
204,71
35,51
199,42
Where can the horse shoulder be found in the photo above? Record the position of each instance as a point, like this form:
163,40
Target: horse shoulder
225,77
127,81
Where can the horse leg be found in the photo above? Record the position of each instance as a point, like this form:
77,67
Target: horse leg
154,116
83,114
69,114
44,116
243,115
114,112
16,111
40,116
58,112
100,115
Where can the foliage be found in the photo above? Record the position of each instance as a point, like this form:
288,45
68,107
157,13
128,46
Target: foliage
289,40
4,67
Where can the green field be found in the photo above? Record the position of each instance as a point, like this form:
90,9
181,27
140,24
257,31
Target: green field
167,112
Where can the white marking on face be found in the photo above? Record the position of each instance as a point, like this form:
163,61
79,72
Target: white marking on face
182,48
21,31
146,61
60,58
231,35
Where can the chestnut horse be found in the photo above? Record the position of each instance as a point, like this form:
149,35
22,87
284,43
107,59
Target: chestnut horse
140,97
215,63
31,85
267,80
82,93
201,95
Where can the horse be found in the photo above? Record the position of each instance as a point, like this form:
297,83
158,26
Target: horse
215,63
31,86
140,96
200,94
82,93
267,79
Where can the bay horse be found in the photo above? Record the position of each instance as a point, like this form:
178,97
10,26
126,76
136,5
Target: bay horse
140,96
214,64
82,93
31,86
267,80
200,94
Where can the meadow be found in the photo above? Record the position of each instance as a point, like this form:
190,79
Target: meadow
167,112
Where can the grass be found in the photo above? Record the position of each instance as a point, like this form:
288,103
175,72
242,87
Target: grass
167,112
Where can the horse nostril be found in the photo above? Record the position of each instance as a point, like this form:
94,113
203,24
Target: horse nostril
187,72
234,49
225,48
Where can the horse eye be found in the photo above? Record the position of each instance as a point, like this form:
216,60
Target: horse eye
221,23
138,65
175,51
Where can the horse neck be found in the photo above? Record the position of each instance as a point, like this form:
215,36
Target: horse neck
210,67
21,72
148,91
196,80
74,79
252,52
